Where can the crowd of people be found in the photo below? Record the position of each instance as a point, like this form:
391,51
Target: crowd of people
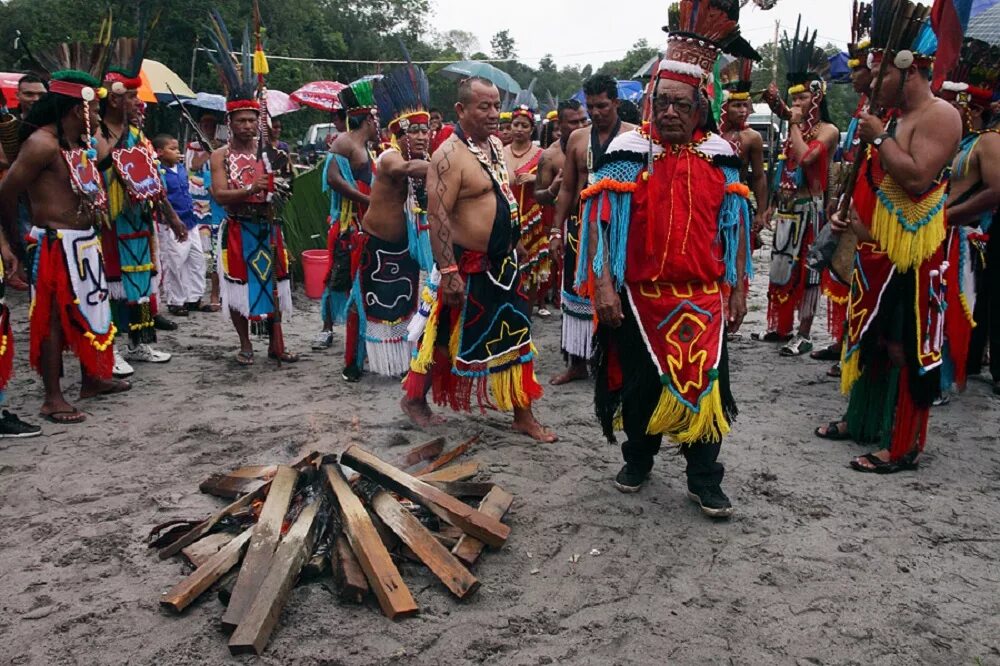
446,241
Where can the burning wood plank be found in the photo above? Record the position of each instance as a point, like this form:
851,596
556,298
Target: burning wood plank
496,504
181,595
266,535
434,556
460,472
348,572
200,551
462,489
383,577
230,487
256,626
424,452
485,528
448,457
206,525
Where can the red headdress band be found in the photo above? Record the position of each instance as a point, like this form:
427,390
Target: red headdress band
401,124
241,104
69,89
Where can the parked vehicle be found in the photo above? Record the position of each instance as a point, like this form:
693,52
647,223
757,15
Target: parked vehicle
312,147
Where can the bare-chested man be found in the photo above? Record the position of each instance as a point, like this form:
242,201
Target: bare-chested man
255,283
474,233
801,189
70,305
584,150
349,175
747,142
892,346
975,191
391,252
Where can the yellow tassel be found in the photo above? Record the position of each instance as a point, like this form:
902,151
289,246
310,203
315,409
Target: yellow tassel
684,426
906,248
850,371
456,333
421,363
507,388
260,63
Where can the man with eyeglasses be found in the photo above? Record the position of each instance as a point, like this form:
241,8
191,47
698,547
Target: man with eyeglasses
667,226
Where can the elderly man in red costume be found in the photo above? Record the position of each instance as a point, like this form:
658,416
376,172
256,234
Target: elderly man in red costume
667,230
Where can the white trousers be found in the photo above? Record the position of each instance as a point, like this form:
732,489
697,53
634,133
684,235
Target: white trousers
182,267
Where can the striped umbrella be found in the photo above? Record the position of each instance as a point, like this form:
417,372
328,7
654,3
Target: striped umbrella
322,95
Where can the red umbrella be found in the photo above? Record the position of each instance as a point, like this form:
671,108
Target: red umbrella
322,95
8,85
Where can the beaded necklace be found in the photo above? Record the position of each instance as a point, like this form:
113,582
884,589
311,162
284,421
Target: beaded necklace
494,165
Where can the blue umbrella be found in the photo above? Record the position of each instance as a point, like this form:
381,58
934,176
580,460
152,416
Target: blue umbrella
627,90
204,100
484,70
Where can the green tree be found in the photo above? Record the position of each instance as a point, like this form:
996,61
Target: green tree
503,45
625,68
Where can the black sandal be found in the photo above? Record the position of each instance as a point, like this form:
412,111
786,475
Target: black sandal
830,353
907,463
833,432
770,336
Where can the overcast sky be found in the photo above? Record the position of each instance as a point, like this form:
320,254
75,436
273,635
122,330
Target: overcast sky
593,31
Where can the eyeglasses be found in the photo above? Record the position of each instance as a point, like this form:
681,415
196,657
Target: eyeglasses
681,105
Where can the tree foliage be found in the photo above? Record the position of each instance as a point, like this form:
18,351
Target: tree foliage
315,30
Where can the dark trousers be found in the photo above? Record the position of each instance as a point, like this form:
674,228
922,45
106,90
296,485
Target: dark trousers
987,314
639,400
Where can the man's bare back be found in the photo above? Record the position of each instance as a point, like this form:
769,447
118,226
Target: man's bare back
550,164
45,175
466,191
356,153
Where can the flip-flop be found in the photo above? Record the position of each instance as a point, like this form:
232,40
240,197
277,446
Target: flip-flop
834,370
65,417
244,358
210,307
286,357
907,463
833,432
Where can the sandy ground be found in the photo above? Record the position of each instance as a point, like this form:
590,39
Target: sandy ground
820,565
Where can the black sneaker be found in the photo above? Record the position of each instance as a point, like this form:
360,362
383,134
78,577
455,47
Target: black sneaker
13,427
351,374
712,500
161,323
629,480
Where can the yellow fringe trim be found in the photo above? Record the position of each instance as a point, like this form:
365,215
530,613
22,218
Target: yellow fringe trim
507,388
906,248
142,268
421,363
116,198
675,419
850,371
966,309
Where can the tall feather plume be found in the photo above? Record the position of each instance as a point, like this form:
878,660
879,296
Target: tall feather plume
221,54
804,61
127,53
402,90
91,58
716,21
527,97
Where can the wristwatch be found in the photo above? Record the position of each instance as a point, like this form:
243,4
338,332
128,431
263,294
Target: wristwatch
880,139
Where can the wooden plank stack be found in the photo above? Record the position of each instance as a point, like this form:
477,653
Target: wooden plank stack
311,517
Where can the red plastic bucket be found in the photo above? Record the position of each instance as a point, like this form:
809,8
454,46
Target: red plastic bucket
314,266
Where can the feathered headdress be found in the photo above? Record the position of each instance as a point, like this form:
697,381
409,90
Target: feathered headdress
806,65
699,30
358,98
525,104
735,79
974,78
87,59
861,25
235,72
915,43
127,54
403,98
